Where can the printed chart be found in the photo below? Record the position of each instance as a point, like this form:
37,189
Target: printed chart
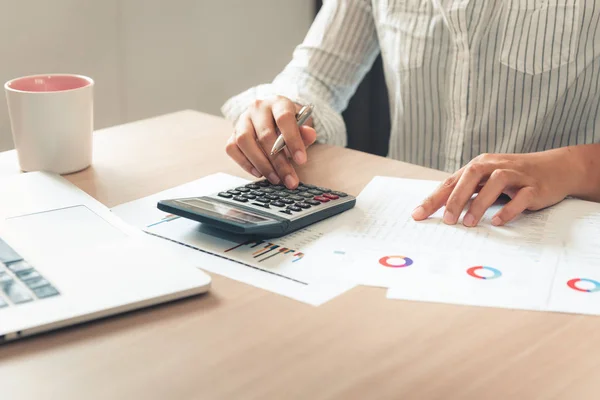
540,261
274,258
371,264
584,285
262,251
166,218
286,266
395,261
484,272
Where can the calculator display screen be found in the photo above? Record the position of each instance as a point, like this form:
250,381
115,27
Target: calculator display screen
224,211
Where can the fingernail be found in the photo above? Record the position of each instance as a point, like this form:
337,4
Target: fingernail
496,221
469,220
449,218
290,182
299,157
419,213
273,178
255,173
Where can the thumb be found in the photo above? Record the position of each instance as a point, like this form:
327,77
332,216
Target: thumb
309,135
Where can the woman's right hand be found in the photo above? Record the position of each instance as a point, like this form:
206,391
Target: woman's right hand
255,133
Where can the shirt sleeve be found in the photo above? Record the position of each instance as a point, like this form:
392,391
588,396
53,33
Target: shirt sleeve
337,52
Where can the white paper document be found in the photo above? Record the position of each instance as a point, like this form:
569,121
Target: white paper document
285,265
545,260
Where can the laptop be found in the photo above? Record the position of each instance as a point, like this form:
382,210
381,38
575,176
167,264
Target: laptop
66,259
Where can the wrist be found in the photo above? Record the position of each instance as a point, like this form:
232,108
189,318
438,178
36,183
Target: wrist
581,169
561,170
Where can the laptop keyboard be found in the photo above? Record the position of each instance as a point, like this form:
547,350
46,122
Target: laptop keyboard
19,281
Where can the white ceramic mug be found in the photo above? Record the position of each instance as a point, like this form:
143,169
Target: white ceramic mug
52,121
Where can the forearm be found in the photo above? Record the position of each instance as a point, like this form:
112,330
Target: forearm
322,71
585,174
338,50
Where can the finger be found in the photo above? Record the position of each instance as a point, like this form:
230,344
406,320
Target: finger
283,165
236,154
309,135
464,190
516,206
284,113
499,180
437,199
264,125
246,141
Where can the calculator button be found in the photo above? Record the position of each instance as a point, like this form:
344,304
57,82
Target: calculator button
256,193
321,199
292,191
263,183
294,208
262,200
240,199
277,204
234,192
45,291
315,192
322,189
249,196
263,205
341,194
267,190
306,195
295,198
20,267
15,292
282,194
242,189
287,201
225,195
312,202
331,196
272,197
303,205
252,186
8,254
285,212
29,275
278,187
308,186
37,283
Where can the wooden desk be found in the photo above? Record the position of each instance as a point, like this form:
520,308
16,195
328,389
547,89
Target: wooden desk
239,342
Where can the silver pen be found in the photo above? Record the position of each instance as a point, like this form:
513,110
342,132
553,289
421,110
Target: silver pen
301,118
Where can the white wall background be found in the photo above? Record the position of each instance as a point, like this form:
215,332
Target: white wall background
150,57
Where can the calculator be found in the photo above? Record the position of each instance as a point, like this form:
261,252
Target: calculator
261,209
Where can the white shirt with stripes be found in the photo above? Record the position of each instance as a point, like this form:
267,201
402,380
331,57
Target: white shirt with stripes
464,77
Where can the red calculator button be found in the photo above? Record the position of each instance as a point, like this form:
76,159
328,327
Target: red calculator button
321,199
331,196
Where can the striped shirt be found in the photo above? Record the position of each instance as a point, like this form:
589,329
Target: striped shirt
464,77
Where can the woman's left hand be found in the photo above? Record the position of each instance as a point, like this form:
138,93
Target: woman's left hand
533,181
